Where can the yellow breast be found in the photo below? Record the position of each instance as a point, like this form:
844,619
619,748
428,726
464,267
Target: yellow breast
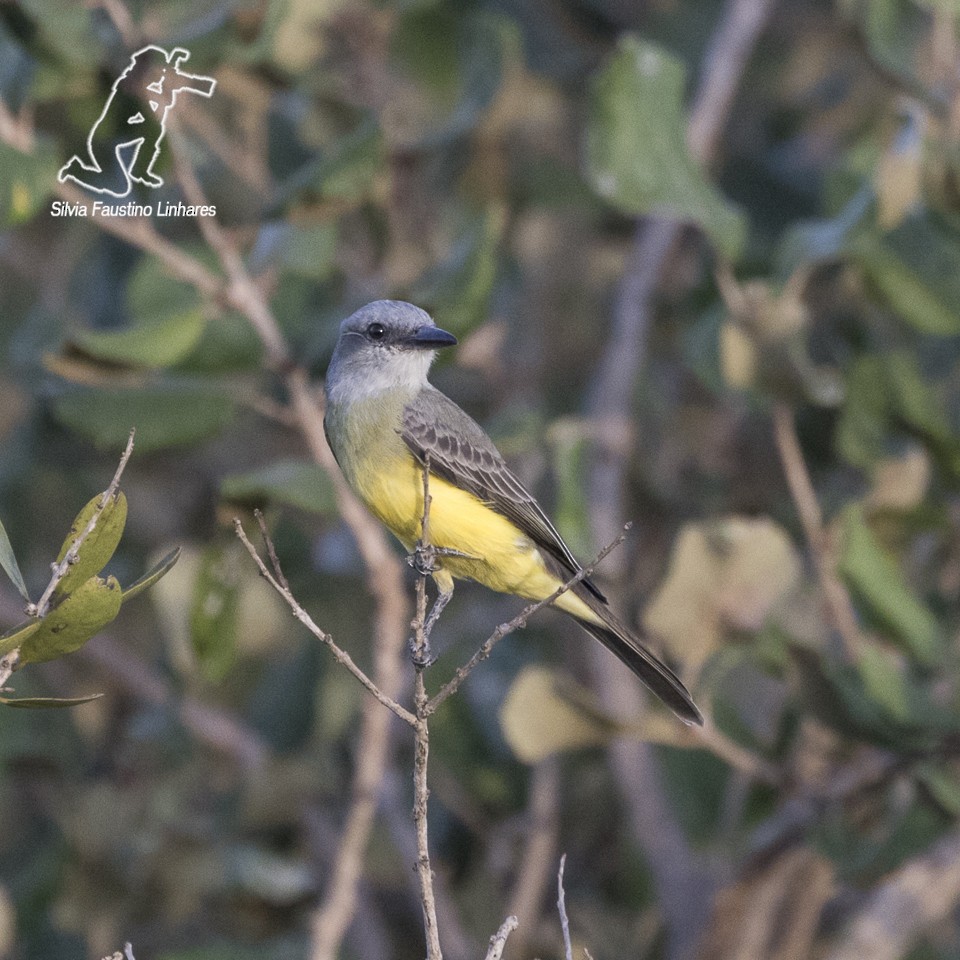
492,550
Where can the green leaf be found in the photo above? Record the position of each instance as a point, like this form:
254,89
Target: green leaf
875,578
69,30
100,545
70,624
637,155
15,636
884,682
158,570
213,613
863,430
912,399
295,483
916,269
888,395
43,703
164,416
155,343
9,563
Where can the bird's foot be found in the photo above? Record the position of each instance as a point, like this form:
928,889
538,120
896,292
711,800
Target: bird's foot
424,557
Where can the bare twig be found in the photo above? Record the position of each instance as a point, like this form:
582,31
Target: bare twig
499,940
421,793
271,551
42,606
562,909
517,623
837,598
340,655
395,810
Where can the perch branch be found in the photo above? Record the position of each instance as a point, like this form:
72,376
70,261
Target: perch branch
424,561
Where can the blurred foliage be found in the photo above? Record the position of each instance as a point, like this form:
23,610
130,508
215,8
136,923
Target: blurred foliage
486,159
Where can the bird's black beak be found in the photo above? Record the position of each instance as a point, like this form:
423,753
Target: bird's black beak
431,338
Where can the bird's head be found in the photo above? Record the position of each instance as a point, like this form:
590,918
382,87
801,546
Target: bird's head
387,344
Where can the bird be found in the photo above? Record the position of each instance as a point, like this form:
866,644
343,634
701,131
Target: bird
385,421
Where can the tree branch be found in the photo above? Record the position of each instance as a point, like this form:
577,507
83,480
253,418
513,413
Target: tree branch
424,560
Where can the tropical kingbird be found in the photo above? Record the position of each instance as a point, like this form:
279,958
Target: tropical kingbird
384,420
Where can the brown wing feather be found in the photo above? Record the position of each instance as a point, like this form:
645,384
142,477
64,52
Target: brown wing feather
462,454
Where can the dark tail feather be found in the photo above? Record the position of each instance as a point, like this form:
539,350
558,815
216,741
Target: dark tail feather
656,675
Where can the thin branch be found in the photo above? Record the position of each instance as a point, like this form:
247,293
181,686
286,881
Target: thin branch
424,561
562,909
340,655
499,940
517,623
271,551
396,812
41,607
837,598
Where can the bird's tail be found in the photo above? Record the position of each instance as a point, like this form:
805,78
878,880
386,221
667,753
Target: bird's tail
661,680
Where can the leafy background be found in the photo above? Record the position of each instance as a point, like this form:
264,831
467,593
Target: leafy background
785,434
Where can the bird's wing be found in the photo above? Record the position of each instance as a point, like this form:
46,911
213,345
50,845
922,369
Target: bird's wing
462,454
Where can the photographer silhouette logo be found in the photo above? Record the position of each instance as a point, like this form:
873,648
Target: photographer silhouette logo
111,166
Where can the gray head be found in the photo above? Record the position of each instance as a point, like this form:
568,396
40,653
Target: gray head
387,344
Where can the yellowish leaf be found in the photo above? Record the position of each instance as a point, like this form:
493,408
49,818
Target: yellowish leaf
724,575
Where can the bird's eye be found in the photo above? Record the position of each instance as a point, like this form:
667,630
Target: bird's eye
376,331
